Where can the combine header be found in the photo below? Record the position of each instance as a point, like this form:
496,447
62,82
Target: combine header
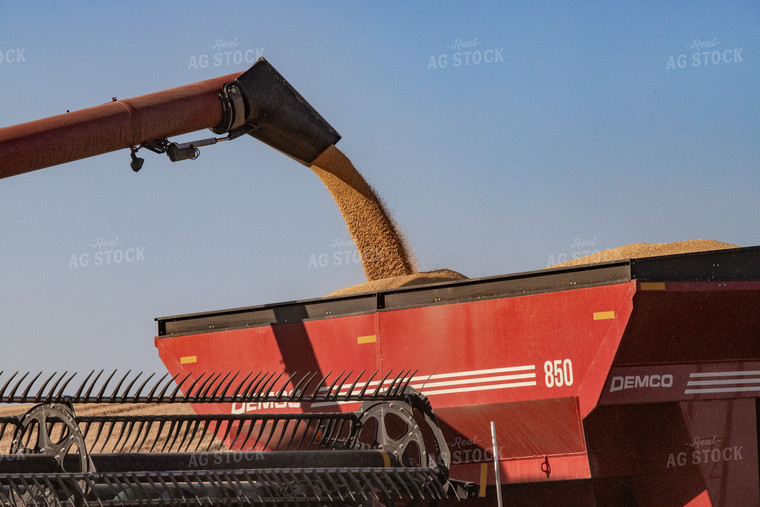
389,450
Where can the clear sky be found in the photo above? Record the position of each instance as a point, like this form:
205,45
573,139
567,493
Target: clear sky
502,136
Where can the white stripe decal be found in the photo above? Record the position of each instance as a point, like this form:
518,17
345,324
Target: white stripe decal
719,382
480,388
509,369
724,373
425,387
425,379
479,380
722,390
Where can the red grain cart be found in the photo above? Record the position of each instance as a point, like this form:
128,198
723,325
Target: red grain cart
628,382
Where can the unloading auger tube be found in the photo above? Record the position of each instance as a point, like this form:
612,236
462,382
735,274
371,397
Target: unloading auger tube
389,450
259,102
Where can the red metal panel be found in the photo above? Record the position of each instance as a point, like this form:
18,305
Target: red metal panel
511,349
318,346
693,322
543,435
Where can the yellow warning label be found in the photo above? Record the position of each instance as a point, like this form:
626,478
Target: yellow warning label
188,359
483,479
652,285
604,315
366,339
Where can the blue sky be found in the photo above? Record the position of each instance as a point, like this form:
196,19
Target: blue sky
575,130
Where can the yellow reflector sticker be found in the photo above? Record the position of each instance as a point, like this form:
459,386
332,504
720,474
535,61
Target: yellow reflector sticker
366,339
386,459
188,359
652,285
483,479
604,315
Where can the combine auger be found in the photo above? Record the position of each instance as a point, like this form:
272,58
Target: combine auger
388,450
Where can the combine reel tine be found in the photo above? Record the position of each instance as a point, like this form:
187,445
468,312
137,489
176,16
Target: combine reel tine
12,394
99,397
282,391
170,432
68,494
190,426
129,387
127,430
237,389
331,432
318,479
366,385
315,393
5,424
380,385
118,386
92,385
158,434
38,397
237,433
136,397
353,386
206,425
254,388
147,425
204,393
364,482
189,394
343,382
155,386
5,386
221,397
381,486
403,386
252,482
269,391
302,392
347,488
81,386
59,395
336,386
132,435
271,432
176,389
262,427
227,427
307,423
330,389
242,426
30,384
111,425
174,431
389,391
284,432
243,394
393,483
357,487
395,387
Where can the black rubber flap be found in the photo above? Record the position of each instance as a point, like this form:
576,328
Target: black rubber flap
284,120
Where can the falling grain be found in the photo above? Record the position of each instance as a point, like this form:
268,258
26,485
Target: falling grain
380,244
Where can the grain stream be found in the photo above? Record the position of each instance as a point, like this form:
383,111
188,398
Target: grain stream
381,246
